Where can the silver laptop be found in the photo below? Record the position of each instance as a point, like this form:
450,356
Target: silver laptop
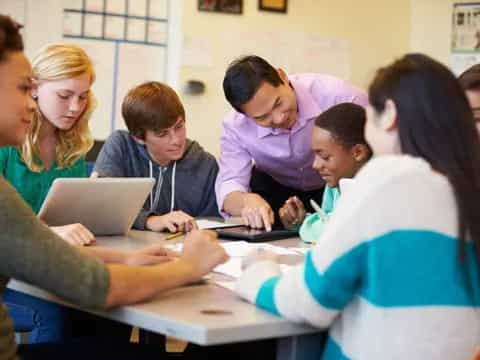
106,206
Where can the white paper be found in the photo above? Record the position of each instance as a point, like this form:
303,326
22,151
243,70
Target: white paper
211,224
114,27
116,7
230,285
136,30
158,9
232,267
72,24
94,5
240,249
137,8
93,25
301,250
157,32
243,248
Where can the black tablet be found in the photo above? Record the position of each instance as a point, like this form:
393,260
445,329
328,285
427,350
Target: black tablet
255,235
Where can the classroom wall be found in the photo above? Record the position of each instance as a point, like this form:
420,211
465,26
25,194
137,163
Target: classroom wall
431,27
375,33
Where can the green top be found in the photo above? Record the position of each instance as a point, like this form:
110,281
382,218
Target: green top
31,252
34,186
312,227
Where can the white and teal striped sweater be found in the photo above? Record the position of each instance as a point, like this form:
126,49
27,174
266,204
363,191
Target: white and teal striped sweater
385,275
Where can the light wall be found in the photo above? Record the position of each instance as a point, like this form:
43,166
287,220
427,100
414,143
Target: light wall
376,31
431,27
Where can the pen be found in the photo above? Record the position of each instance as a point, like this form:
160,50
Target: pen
319,210
174,235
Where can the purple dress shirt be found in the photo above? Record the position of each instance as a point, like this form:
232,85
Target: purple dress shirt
285,155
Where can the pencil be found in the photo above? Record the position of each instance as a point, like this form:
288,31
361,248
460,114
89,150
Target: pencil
174,235
319,210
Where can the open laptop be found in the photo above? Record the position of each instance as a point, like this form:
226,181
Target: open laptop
106,206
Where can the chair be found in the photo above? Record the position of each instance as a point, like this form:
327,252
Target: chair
91,156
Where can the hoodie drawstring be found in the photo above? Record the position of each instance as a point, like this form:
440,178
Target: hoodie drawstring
154,202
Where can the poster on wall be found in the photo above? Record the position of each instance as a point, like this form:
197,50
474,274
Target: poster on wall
465,41
466,27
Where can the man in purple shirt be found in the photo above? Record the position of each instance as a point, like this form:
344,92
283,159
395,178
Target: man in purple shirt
265,146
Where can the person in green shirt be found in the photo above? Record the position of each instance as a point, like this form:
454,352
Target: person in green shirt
340,150
58,137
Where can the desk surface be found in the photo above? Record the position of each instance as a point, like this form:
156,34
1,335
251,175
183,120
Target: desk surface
180,312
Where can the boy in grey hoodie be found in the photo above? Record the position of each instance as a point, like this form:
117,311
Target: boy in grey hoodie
156,146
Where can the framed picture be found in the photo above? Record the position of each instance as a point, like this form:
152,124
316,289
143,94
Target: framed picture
223,6
273,5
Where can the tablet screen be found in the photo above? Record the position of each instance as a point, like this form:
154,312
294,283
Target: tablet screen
249,234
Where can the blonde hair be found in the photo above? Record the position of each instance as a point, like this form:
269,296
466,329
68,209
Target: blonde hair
59,62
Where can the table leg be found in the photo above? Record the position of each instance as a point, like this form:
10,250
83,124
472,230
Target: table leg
305,347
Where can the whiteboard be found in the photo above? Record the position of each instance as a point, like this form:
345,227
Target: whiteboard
312,53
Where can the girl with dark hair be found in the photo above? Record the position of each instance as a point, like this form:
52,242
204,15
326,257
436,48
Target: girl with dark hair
396,273
340,150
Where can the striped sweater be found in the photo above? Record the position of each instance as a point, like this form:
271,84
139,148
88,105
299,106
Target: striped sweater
385,277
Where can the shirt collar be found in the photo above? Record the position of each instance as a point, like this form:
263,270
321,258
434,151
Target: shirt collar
307,109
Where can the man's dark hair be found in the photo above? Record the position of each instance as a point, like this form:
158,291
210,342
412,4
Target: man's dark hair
243,78
346,124
10,38
470,78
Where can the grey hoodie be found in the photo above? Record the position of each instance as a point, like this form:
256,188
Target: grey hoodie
195,174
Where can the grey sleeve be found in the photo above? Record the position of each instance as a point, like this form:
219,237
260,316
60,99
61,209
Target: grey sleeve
141,220
208,206
111,159
31,252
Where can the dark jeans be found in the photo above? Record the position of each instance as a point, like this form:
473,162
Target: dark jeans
90,350
54,323
276,194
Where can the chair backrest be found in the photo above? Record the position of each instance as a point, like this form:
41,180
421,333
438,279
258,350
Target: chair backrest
91,156
93,153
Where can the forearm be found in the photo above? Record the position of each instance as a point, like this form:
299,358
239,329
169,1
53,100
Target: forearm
234,203
108,256
134,284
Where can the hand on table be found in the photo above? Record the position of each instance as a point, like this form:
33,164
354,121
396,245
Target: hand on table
292,213
74,234
203,252
256,212
151,255
175,221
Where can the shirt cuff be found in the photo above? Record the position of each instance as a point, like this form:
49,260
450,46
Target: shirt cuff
251,280
141,220
226,188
